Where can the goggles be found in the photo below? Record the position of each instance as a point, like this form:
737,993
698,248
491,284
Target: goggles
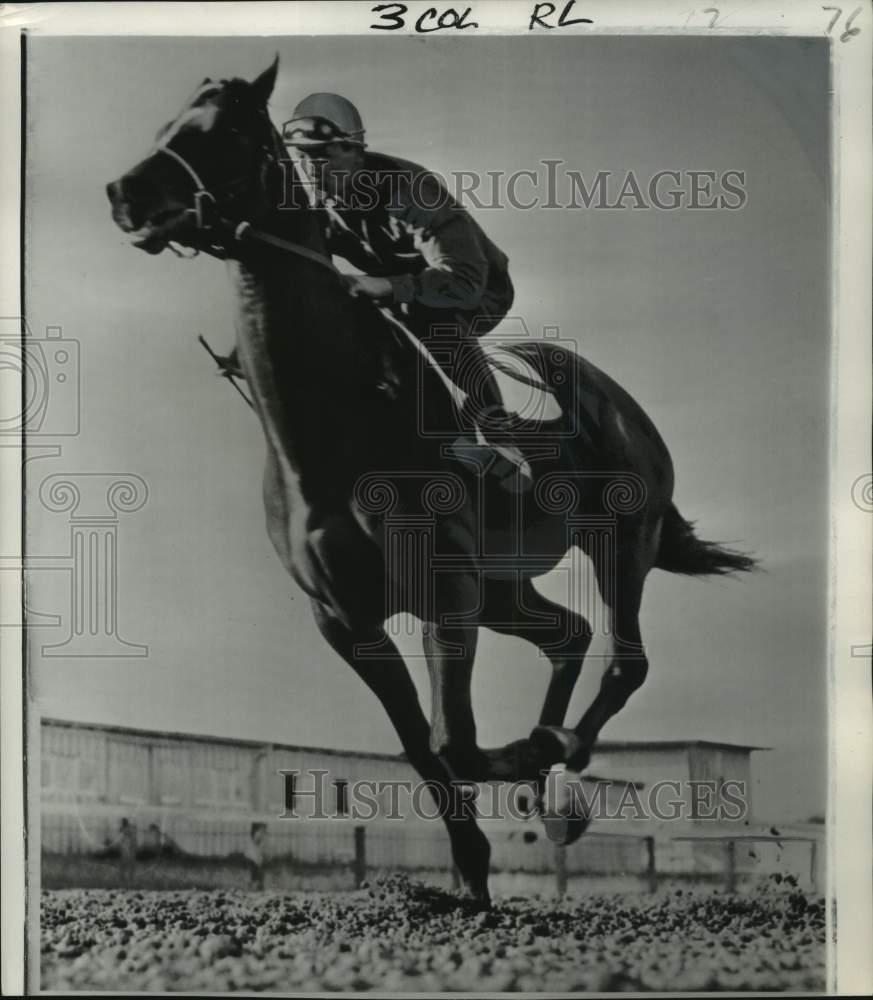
307,132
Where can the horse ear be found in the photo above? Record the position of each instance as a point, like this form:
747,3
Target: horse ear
266,81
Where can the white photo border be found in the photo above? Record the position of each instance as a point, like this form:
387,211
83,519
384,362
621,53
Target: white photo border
850,844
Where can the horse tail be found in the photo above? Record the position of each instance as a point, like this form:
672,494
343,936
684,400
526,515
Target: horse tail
681,551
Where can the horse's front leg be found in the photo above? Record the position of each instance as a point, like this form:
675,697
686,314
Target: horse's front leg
388,678
517,608
450,652
511,608
450,649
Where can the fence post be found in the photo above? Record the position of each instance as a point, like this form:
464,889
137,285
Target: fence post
360,856
561,869
731,871
651,870
259,790
813,865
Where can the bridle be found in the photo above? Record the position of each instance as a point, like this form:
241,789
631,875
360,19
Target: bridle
244,231
202,194
205,217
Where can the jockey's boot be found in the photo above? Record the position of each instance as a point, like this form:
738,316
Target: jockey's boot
502,459
498,422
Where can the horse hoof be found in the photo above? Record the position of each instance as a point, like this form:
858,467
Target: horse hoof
564,809
564,830
475,902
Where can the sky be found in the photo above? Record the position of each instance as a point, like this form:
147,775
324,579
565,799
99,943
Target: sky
717,322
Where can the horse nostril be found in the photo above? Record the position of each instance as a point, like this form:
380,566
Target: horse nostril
126,211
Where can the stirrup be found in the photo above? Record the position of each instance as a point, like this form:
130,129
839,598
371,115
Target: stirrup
509,467
511,455
506,450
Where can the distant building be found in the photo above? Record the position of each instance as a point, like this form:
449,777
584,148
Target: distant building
711,776
170,773
203,796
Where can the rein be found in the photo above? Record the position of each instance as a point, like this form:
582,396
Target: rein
244,231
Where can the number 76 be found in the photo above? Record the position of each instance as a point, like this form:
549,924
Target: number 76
848,31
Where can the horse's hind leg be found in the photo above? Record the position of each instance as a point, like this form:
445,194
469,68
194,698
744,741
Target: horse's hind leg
628,664
621,587
516,608
388,678
563,636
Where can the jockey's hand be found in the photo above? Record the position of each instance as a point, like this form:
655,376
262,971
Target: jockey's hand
364,284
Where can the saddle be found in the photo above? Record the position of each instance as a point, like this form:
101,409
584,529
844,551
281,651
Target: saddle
522,389
524,398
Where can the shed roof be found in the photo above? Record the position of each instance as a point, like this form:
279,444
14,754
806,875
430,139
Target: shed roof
602,746
672,745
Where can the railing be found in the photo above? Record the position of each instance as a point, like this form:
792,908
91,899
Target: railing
732,846
353,852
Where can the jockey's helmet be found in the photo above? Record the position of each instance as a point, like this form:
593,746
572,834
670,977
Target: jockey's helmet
323,118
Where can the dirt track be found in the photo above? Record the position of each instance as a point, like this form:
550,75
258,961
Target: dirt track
400,935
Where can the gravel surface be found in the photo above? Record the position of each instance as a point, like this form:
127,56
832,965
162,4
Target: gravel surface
401,935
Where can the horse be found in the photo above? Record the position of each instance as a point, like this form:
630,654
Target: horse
373,517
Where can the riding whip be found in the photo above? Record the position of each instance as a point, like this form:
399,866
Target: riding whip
224,372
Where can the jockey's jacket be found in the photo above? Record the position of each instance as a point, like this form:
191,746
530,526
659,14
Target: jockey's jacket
397,220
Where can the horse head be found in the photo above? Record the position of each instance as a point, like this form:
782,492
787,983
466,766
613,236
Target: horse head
218,159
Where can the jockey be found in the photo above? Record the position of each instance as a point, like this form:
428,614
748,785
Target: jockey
422,253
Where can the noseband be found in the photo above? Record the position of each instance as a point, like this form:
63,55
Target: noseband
202,194
204,218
